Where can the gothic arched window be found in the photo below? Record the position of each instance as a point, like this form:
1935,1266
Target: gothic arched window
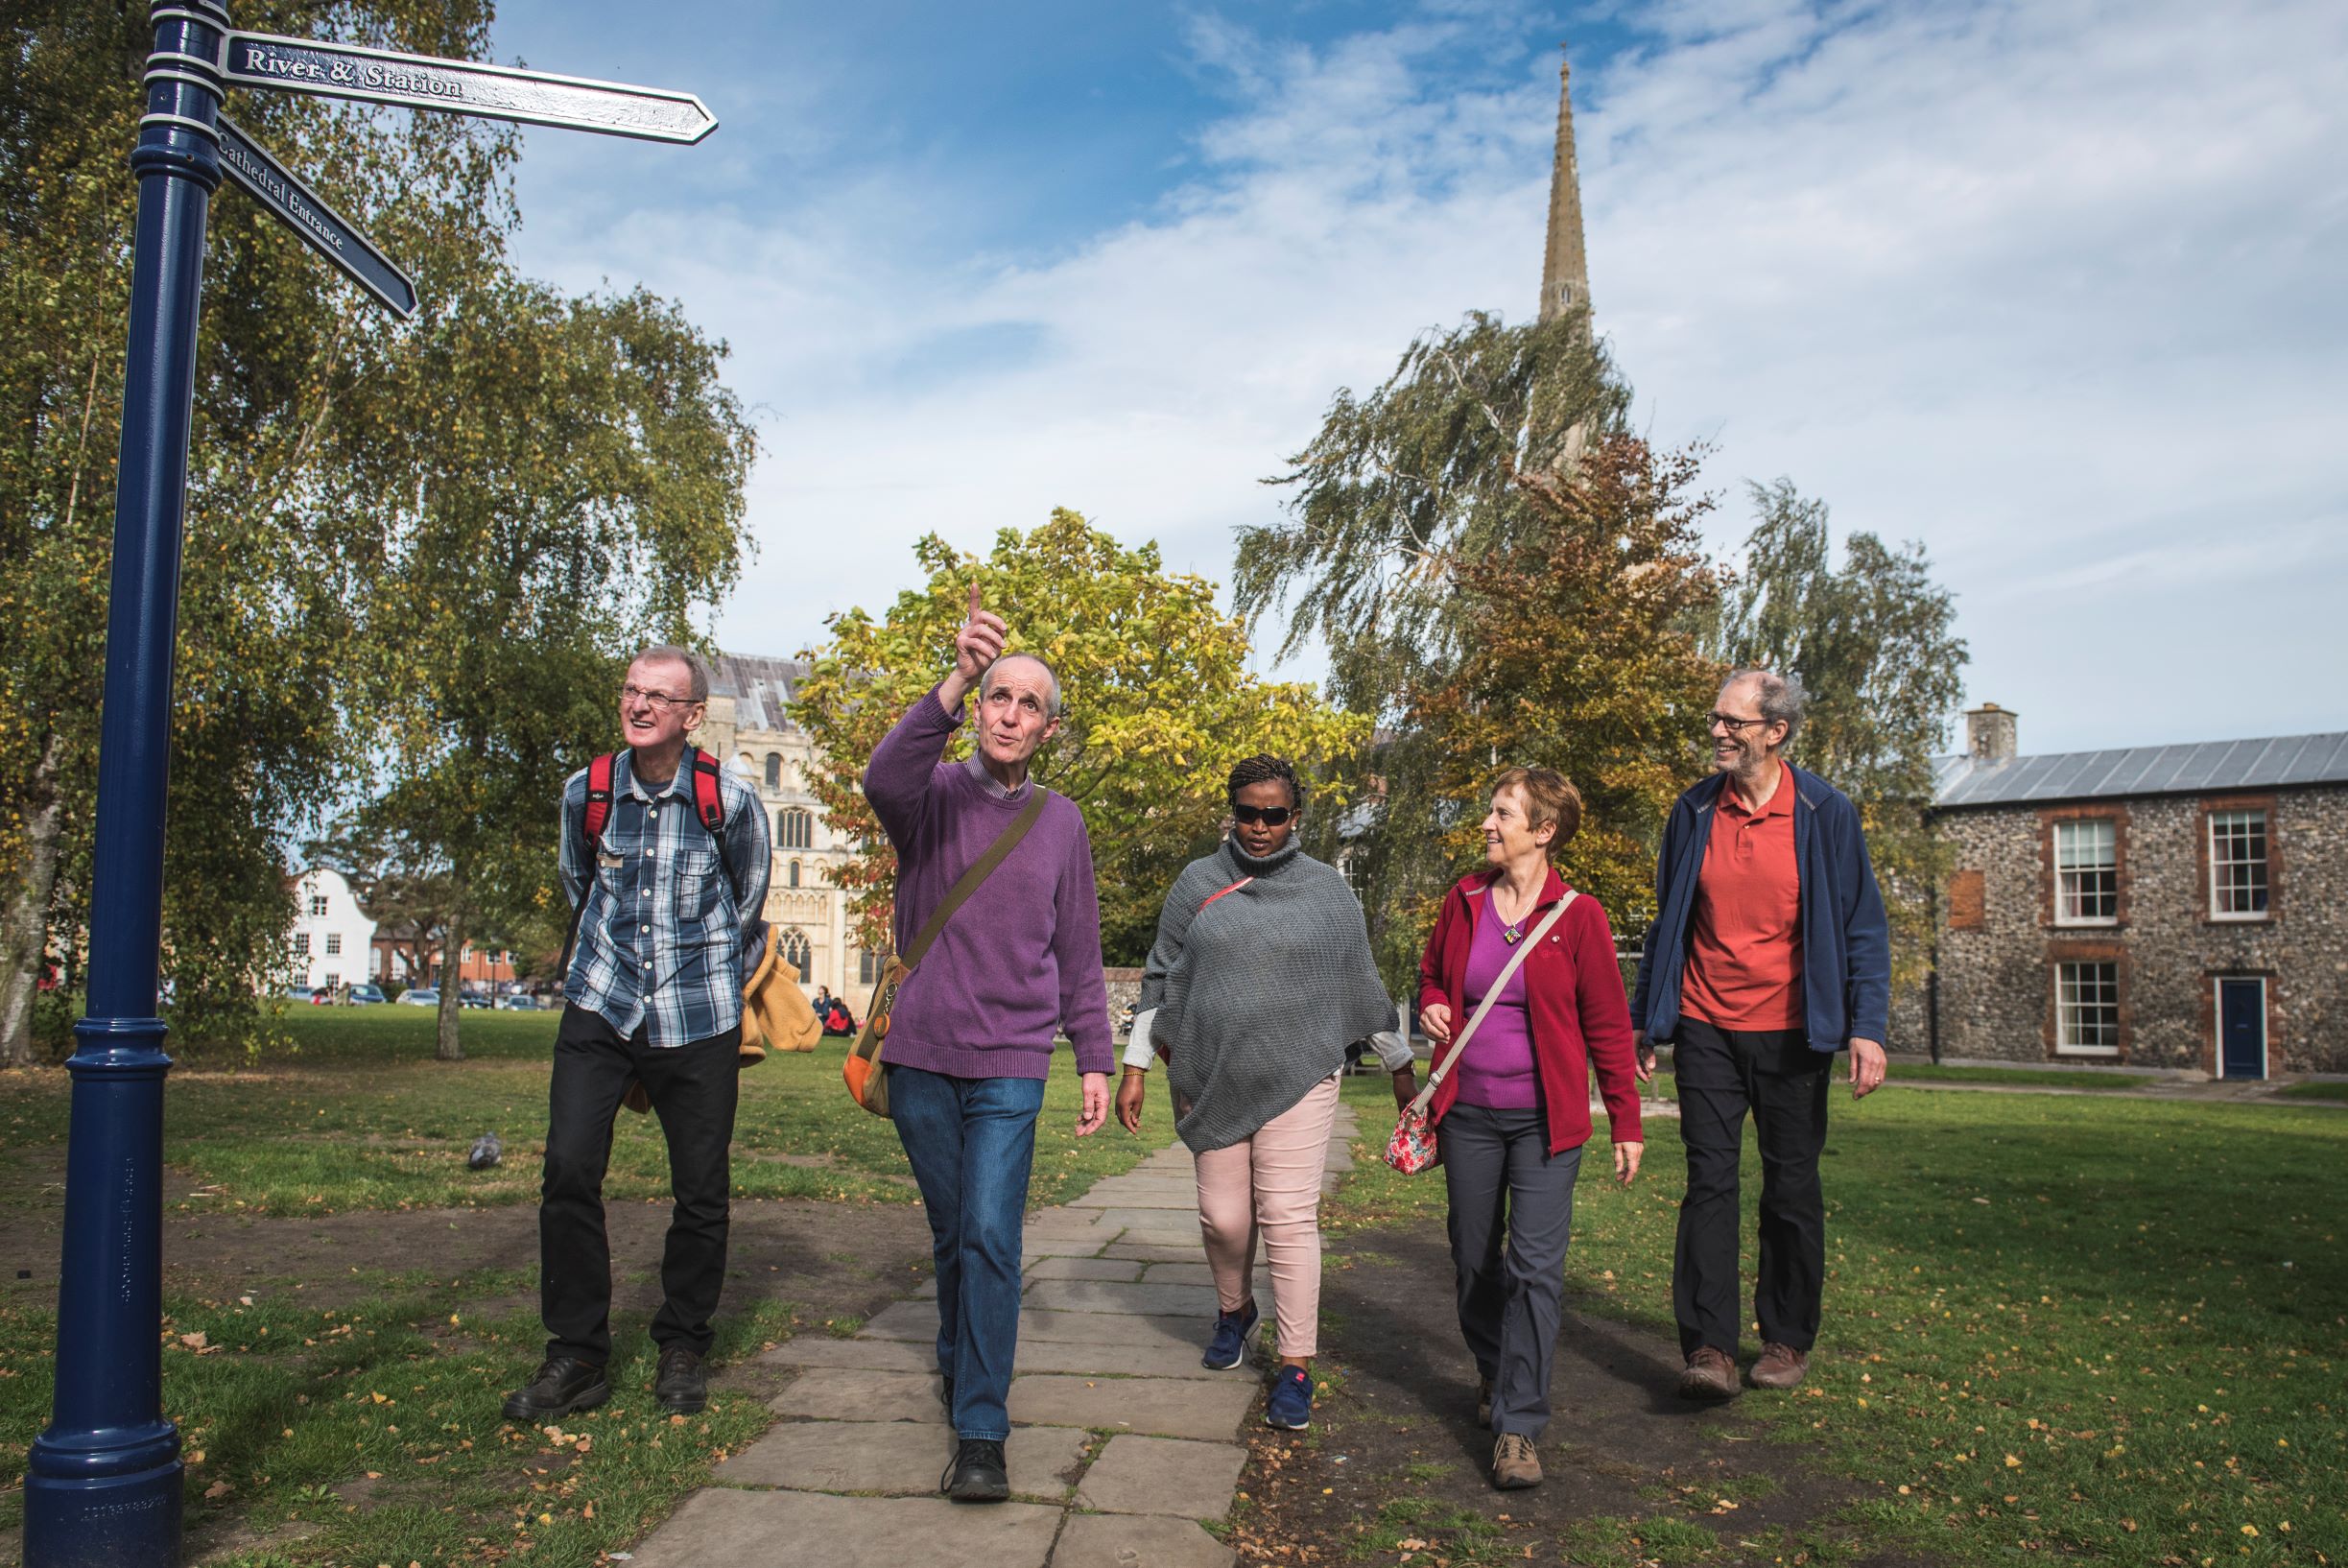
867,967
774,770
795,875
794,953
795,828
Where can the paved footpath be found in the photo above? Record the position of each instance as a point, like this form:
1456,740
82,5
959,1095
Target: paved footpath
1122,1444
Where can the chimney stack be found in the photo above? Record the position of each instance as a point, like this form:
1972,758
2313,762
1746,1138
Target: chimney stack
1989,733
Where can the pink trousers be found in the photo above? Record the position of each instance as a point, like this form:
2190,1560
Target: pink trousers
1271,1183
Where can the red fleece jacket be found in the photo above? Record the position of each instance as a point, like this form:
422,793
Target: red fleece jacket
1581,1018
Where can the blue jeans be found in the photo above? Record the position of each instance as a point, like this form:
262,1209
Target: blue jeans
972,1143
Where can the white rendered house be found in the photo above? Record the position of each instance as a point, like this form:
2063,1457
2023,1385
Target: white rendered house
333,940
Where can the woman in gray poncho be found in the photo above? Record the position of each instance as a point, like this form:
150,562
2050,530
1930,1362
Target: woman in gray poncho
1260,983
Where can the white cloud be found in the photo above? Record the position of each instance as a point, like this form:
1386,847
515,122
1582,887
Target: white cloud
2049,286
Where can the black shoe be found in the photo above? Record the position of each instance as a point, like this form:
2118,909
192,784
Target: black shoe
977,1474
563,1385
681,1384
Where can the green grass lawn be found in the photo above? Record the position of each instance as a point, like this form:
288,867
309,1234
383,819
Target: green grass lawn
370,1434
2317,1091
2114,1330
359,1116
2020,1078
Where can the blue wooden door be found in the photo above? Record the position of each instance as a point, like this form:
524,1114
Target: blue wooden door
2241,1027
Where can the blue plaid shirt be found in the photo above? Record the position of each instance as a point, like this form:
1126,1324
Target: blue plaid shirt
661,943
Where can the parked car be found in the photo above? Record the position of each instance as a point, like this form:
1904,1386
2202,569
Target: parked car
365,996
420,996
297,993
517,1004
472,999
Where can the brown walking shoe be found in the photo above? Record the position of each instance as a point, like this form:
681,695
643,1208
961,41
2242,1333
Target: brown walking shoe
1515,1466
1780,1367
1711,1374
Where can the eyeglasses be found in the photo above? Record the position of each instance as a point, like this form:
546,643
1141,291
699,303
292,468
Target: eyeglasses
1734,725
661,702
1268,816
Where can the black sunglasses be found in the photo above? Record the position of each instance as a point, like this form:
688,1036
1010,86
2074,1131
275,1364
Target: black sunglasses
1268,816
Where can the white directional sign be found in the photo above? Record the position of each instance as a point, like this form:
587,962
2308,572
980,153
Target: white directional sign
461,87
326,230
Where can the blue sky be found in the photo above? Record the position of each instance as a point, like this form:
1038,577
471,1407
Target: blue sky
2051,287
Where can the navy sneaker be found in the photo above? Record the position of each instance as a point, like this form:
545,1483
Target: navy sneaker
1229,1345
1290,1405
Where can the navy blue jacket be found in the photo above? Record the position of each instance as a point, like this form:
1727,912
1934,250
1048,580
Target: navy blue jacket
1846,939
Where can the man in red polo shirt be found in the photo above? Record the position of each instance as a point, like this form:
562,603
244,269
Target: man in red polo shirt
1770,952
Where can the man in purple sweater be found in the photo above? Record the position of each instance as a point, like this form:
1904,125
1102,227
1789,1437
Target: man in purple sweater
970,1035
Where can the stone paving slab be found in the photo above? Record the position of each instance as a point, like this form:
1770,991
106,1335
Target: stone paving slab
1058,1268
1163,1475
1134,1300
1103,1358
917,1321
1185,1217
1117,1303
842,1393
898,1459
1064,1247
811,1529
1192,1271
1192,1251
1183,1198
1159,1407
1108,1541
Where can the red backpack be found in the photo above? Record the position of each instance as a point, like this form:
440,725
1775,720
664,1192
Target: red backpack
707,805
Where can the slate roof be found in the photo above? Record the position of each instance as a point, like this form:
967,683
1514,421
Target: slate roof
762,688
2281,762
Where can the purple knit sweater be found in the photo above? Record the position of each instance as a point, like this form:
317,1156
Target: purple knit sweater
1019,963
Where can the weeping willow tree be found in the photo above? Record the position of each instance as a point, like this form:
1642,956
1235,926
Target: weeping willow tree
1422,528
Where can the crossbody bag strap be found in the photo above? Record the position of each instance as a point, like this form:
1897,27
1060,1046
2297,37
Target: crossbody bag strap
1507,973
969,881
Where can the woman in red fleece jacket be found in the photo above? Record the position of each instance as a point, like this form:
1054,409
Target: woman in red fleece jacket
1514,1110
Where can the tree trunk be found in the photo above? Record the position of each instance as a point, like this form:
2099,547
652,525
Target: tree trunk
26,940
452,984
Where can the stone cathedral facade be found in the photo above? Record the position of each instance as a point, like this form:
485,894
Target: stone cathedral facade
749,729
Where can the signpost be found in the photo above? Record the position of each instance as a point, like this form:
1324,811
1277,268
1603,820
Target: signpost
102,1485
327,231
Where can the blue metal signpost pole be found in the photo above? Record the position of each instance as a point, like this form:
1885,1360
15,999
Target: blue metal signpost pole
103,1483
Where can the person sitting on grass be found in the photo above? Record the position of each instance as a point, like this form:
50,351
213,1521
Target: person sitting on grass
653,995
1260,983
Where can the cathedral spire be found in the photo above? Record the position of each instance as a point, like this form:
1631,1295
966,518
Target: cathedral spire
1565,270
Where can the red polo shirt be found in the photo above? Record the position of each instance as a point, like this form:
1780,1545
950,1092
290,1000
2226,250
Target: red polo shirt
1744,949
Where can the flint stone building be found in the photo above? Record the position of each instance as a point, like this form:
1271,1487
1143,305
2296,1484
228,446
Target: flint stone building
2167,905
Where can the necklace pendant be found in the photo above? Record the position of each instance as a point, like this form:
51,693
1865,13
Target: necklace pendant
1511,935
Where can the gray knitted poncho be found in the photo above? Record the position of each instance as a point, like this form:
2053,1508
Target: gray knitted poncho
1258,994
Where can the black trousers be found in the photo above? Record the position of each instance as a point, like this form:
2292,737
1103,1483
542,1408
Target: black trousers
692,1089
1775,1075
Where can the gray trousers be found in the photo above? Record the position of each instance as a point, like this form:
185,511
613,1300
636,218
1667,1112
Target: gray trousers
1511,1217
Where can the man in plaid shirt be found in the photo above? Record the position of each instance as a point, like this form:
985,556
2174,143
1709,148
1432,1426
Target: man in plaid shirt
653,996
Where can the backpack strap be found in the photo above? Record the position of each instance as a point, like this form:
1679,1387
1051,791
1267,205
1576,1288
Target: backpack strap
591,823
599,801
707,804
969,881
1234,887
